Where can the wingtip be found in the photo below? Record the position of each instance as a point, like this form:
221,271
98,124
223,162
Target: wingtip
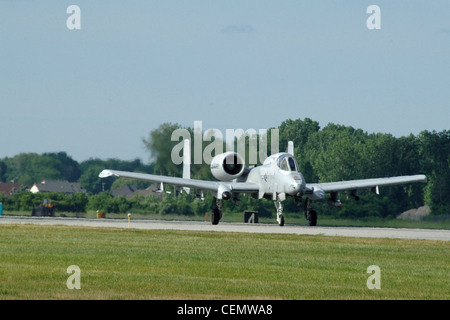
105,173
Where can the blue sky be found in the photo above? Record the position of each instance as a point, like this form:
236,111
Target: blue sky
96,92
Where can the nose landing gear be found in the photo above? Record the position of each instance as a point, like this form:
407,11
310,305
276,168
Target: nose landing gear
280,217
310,214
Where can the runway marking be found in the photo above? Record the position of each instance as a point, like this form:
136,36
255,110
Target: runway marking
359,232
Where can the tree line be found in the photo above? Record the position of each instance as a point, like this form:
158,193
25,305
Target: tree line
28,168
332,153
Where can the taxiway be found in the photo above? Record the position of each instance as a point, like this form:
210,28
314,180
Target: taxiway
360,232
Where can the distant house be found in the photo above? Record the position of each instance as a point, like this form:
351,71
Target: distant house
63,186
129,191
9,188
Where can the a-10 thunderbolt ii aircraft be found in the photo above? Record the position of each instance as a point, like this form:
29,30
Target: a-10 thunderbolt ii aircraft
277,178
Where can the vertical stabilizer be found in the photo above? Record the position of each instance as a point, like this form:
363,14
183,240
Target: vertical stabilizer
187,162
291,147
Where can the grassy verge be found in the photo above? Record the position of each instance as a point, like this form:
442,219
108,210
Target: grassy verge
154,264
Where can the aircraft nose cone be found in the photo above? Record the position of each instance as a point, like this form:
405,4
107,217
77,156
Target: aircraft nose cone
294,188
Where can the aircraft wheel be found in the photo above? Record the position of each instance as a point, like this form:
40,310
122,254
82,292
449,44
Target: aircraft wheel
312,218
215,216
281,220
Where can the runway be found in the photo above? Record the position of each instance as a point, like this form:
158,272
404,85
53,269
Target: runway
360,232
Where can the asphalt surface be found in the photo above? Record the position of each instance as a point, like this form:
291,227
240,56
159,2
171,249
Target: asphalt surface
360,232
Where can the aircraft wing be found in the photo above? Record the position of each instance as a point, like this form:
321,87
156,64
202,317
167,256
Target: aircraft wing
366,183
212,186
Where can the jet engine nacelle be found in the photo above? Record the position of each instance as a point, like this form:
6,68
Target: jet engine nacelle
227,166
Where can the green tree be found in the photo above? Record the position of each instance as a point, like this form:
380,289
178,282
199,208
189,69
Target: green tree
160,146
435,154
335,153
28,168
299,131
91,182
90,169
3,169
78,202
68,168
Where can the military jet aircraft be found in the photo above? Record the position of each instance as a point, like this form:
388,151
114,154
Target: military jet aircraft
277,178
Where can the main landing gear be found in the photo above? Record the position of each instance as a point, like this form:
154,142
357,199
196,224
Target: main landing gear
217,211
310,214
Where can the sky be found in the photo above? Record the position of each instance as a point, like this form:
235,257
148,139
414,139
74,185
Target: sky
97,91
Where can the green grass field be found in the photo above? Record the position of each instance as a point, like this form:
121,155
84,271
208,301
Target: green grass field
153,264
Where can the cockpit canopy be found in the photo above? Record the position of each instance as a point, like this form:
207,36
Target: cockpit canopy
287,163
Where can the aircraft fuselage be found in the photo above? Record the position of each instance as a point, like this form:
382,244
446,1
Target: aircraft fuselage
278,176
